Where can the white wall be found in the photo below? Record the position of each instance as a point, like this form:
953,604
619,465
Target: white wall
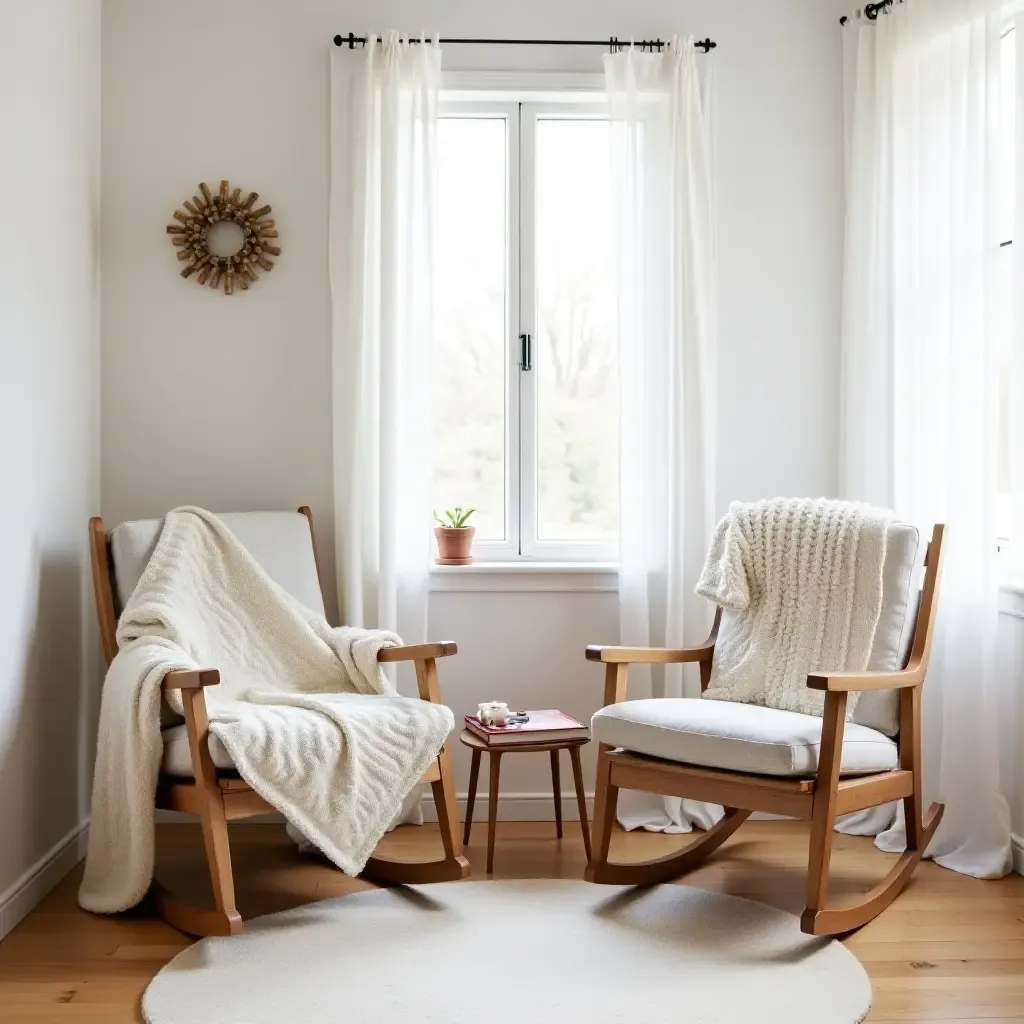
49,434
526,648
226,402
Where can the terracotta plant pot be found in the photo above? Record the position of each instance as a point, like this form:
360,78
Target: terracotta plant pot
454,545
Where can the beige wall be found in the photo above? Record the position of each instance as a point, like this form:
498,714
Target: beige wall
239,89
226,402
49,433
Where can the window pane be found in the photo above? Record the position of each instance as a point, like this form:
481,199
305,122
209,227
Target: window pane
1004,281
470,363
1004,371
576,364
1008,141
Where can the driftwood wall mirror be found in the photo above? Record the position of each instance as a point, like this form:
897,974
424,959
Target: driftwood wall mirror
223,238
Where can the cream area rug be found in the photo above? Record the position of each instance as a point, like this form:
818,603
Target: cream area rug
547,952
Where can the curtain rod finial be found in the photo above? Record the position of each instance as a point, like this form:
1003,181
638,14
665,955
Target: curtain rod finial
871,11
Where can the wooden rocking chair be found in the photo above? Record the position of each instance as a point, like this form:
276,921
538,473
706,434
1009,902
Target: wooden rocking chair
198,778
751,758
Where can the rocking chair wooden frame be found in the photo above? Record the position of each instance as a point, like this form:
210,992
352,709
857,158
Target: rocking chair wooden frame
218,796
820,799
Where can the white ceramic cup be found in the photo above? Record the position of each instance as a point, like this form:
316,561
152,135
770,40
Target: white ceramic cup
492,713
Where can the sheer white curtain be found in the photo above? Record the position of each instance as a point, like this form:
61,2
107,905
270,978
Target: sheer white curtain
661,161
384,102
918,367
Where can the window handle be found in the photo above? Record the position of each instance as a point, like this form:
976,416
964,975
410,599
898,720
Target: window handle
525,352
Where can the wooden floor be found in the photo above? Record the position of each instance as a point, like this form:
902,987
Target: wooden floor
950,949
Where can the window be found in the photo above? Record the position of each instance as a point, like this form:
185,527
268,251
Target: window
1006,211
525,370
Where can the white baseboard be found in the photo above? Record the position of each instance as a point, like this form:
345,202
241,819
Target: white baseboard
1017,846
511,807
181,818
515,807
19,899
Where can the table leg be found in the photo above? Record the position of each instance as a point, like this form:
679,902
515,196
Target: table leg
581,798
556,788
492,809
474,774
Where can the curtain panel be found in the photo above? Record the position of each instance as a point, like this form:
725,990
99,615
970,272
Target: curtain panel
384,109
918,369
665,292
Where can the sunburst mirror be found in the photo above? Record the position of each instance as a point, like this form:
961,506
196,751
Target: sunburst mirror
223,238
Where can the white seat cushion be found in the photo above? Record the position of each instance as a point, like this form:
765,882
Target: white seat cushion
178,759
736,737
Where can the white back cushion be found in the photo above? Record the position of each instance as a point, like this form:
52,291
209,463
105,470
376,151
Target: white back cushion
901,596
281,542
901,593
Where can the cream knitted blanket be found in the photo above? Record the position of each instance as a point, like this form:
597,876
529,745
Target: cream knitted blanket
800,582
304,710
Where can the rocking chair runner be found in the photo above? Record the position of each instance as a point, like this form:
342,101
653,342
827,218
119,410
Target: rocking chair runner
198,778
690,748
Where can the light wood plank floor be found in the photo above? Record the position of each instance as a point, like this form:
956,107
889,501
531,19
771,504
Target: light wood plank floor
950,949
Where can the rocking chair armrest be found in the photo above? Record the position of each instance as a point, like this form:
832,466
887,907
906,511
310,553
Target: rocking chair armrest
650,655
844,682
192,679
418,652
426,670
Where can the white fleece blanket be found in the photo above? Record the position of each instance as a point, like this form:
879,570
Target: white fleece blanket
800,580
304,710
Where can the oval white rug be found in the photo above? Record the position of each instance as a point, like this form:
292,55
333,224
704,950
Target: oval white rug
549,952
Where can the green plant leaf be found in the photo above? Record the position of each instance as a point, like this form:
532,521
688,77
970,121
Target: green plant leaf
454,518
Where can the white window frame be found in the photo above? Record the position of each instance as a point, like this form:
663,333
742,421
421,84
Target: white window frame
522,108
508,549
1004,501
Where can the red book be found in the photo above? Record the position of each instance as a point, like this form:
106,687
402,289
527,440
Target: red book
543,727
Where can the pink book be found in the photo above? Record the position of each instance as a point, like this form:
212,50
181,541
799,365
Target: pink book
543,727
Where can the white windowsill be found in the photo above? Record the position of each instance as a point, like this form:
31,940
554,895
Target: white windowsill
1011,596
1011,582
583,577
525,577
526,566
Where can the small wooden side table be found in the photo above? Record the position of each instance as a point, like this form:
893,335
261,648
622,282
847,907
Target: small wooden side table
478,746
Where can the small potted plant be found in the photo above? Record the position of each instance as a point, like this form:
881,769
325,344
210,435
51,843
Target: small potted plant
454,537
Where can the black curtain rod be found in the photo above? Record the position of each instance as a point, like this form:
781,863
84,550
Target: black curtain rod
871,11
352,41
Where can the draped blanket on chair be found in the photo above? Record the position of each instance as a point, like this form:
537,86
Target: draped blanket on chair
786,572
305,712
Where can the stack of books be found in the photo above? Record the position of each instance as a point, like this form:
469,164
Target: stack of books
543,727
